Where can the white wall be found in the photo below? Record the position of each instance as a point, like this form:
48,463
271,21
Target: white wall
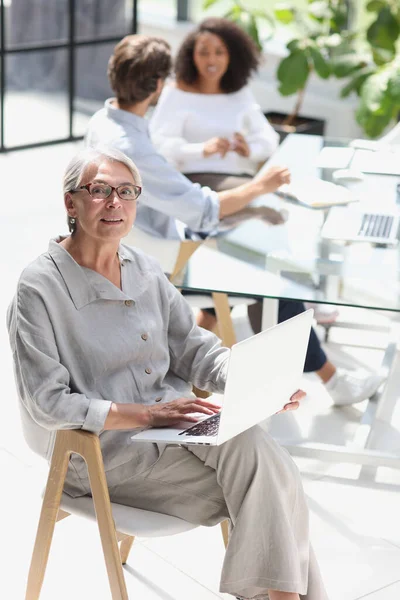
321,99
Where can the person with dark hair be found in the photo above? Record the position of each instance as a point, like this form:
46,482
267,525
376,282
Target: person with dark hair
208,125
137,71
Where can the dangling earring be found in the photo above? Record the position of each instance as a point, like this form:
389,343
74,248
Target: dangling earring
72,220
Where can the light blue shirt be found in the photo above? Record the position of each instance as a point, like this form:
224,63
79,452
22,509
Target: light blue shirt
167,195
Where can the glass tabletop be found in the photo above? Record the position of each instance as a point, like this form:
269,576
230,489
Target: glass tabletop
337,272
209,270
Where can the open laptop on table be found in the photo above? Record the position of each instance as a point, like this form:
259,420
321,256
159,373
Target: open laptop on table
347,224
264,371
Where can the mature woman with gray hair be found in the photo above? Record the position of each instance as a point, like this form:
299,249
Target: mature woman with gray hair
103,342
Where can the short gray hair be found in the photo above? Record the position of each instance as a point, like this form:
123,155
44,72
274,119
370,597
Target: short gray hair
92,156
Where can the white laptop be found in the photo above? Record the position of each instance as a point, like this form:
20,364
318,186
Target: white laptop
264,371
347,224
384,161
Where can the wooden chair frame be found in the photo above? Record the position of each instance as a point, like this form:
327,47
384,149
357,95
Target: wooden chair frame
87,445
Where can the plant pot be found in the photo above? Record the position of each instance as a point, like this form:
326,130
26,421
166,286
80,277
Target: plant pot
300,124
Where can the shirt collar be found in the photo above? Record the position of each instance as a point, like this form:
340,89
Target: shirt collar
85,286
125,117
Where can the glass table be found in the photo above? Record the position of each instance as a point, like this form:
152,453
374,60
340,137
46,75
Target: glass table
292,261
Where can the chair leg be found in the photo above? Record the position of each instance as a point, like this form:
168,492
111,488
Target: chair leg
47,521
125,548
224,319
101,499
225,531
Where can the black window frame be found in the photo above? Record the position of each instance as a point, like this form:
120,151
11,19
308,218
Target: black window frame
70,45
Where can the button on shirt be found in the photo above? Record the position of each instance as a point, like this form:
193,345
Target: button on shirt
167,194
77,348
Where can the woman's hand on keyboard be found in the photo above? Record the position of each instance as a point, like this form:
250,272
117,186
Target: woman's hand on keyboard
293,403
181,409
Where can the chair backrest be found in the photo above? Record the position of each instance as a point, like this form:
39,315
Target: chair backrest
171,254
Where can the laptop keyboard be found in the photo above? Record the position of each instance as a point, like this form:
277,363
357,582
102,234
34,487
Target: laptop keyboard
374,225
208,427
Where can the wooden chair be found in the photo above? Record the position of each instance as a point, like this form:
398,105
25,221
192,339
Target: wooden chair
117,524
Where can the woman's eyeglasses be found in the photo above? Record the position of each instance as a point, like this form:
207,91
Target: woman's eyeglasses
101,191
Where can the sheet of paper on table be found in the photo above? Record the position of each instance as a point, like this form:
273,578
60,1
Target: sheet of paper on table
316,193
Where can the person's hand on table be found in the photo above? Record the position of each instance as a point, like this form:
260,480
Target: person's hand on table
294,401
273,178
181,409
216,145
240,146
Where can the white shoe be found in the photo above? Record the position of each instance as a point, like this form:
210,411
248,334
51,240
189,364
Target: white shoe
346,388
324,314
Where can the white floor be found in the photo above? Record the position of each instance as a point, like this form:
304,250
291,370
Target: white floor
354,515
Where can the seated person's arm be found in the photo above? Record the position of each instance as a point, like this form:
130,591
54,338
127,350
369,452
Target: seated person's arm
170,192
261,137
232,201
44,384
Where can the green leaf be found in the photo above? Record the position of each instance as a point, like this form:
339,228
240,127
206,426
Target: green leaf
286,89
372,124
293,72
340,18
247,22
284,13
384,32
294,45
374,93
321,66
345,64
354,85
208,3
375,5
394,86
382,56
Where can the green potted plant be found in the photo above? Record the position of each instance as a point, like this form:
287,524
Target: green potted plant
372,68
319,35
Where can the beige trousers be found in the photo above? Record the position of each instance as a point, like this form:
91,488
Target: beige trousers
252,481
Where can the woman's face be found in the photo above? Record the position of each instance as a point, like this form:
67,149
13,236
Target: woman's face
109,219
210,56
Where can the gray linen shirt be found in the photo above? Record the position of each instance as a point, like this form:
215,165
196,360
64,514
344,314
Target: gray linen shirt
167,194
80,343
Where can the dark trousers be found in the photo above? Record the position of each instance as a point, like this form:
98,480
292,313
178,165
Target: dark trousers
315,357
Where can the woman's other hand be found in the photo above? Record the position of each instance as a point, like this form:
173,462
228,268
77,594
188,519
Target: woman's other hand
273,178
182,409
293,403
216,145
240,145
